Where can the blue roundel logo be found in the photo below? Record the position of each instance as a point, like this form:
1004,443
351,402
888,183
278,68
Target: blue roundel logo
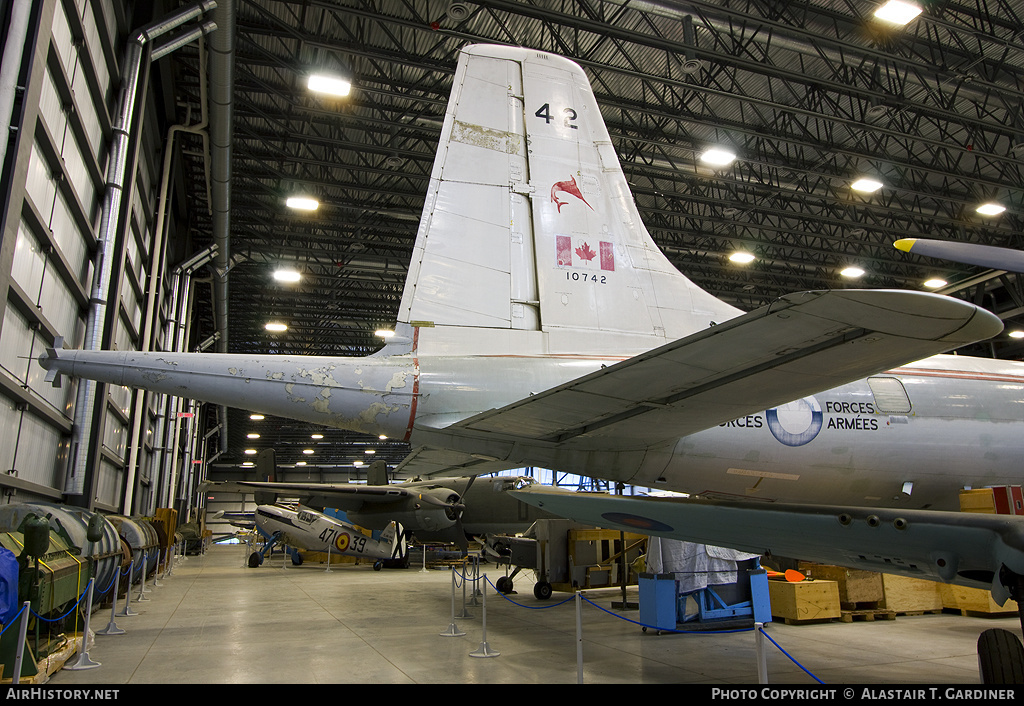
795,423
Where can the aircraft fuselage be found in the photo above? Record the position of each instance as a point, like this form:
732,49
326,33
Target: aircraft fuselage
319,533
930,428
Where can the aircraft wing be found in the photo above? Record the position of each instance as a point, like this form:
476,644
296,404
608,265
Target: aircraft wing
800,344
955,547
343,496
436,461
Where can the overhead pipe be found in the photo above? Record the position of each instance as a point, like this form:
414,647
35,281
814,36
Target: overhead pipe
158,260
10,68
87,405
222,68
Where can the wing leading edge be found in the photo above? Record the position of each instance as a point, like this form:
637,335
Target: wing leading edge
954,547
800,344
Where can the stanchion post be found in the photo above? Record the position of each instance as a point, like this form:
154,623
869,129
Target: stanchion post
762,657
128,593
484,650
579,638
22,632
83,661
142,583
112,628
465,580
453,630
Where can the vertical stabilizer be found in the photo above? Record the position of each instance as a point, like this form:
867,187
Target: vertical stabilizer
529,224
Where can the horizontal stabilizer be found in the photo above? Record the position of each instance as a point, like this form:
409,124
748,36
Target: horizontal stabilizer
954,547
799,345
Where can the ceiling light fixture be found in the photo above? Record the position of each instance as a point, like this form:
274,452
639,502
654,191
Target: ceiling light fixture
250,452
990,209
384,333
1016,334
252,436
276,327
307,451
898,12
287,276
256,417
717,157
741,258
866,185
316,436
302,203
935,283
369,451
331,85
851,272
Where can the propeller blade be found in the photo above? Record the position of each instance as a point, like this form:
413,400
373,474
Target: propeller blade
995,258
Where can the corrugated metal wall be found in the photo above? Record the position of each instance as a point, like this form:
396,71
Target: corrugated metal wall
53,184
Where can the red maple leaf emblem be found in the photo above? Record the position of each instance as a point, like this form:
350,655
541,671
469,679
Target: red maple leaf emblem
585,253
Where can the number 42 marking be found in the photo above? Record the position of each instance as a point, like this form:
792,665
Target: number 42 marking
569,116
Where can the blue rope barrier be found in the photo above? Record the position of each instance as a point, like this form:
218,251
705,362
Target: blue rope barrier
654,627
790,657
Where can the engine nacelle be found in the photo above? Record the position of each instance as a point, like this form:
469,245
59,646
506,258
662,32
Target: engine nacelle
431,510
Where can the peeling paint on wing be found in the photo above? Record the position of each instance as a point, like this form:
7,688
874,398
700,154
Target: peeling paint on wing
233,371
275,376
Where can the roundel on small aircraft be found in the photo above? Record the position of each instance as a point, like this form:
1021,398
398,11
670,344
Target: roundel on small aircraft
795,423
342,541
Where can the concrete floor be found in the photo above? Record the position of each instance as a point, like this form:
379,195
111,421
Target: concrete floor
213,621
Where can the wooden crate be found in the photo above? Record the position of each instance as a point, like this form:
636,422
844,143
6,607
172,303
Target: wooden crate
804,601
978,500
856,586
974,601
910,595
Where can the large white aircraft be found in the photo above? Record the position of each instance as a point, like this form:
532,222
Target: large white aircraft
541,326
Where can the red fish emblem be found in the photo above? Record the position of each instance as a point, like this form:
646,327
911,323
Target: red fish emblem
568,187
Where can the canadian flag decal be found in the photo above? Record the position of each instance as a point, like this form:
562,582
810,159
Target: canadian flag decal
582,254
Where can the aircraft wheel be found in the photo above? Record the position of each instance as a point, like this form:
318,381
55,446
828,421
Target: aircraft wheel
1000,657
504,584
378,565
255,560
542,590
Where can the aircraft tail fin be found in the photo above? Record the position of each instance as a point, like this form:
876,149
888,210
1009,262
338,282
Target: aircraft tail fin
394,534
529,225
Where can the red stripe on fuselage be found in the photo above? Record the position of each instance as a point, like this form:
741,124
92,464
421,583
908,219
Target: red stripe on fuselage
415,382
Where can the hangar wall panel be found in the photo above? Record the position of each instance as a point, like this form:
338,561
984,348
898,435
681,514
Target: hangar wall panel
49,231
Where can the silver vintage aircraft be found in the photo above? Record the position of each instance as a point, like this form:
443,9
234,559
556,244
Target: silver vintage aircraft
446,510
541,326
307,529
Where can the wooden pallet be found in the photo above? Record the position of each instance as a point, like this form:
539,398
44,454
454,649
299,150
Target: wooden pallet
867,615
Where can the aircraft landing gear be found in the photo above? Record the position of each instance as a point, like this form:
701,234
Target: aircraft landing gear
256,558
1000,653
504,584
542,590
378,565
